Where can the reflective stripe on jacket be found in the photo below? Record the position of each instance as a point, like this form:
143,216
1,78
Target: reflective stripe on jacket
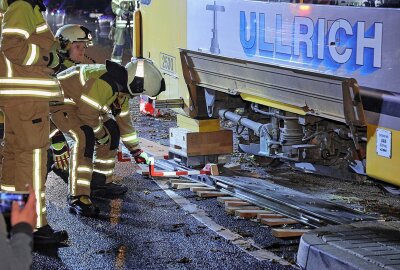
25,45
90,95
119,7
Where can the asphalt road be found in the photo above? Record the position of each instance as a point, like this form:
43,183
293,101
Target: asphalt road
145,229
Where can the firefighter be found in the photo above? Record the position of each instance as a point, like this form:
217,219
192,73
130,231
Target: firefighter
89,91
76,36
28,57
74,39
152,84
121,32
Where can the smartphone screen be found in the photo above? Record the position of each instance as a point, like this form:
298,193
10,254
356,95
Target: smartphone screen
6,199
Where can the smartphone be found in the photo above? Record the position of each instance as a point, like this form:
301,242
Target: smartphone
6,199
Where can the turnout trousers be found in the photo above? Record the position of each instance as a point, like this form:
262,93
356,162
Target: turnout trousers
25,151
81,157
122,39
104,161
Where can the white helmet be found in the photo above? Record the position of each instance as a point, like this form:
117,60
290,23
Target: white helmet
71,33
144,78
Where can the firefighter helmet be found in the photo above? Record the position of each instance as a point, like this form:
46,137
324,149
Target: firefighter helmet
71,33
144,78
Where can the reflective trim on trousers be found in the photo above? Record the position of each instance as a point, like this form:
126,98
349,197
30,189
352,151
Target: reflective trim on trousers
74,161
37,183
131,138
105,161
105,172
84,169
83,182
7,187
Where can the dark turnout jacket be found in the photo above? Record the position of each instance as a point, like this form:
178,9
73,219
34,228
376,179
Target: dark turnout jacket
15,252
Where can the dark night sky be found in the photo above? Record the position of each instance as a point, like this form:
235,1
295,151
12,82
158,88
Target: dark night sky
100,5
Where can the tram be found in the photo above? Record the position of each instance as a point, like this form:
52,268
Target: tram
318,82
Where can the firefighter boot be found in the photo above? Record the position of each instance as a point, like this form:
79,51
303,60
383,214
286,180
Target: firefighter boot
83,206
46,236
99,187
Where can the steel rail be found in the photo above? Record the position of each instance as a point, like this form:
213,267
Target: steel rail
302,207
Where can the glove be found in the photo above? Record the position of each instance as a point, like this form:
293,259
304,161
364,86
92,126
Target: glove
140,156
55,58
115,107
104,140
61,155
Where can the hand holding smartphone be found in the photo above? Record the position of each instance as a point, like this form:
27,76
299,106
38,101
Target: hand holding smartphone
7,199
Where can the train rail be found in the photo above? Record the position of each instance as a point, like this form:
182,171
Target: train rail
296,205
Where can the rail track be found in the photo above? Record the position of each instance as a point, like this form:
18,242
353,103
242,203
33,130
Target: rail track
261,193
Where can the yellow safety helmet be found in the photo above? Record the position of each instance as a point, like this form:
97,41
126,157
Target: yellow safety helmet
144,78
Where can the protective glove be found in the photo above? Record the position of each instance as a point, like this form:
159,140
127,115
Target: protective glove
61,155
115,107
140,156
55,58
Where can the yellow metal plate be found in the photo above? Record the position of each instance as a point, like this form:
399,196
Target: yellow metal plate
207,125
273,104
164,32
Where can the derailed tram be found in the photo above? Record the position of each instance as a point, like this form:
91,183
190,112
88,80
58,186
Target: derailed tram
319,83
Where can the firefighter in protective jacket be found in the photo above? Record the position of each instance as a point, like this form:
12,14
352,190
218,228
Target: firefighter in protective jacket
122,30
27,59
89,92
74,39
145,78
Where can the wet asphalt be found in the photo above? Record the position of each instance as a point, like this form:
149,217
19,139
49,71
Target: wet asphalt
146,229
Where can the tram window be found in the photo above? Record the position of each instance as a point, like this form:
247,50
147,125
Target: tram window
356,3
